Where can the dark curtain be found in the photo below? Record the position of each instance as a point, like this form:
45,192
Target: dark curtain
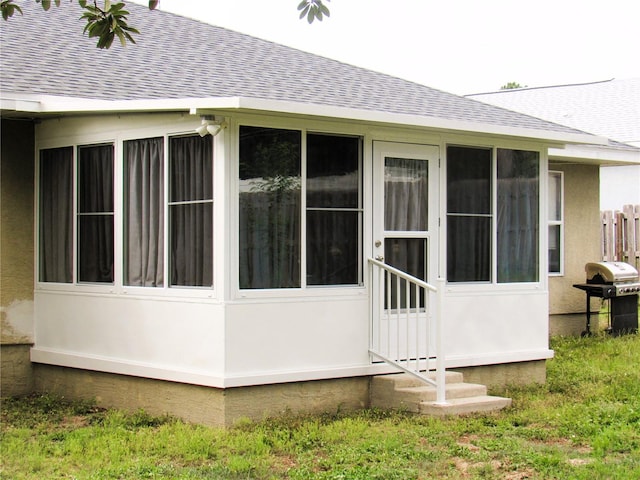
269,208
334,213
56,215
144,212
95,214
469,217
191,211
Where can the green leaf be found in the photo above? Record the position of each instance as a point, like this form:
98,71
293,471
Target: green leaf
46,4
153,4
9,9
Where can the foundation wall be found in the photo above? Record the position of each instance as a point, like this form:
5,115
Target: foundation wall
203,405
16,371
225,407
498,376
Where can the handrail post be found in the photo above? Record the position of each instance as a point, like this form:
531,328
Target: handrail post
440,363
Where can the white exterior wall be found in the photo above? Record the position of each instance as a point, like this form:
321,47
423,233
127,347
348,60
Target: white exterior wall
619,186
225,337
152,337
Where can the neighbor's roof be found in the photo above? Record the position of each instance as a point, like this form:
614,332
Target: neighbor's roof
45,53
610,108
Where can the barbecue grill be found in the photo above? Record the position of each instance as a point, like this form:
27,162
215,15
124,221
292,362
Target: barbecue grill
618,283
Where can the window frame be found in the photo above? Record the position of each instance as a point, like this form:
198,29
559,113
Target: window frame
493,283
165,131
304,289
559,223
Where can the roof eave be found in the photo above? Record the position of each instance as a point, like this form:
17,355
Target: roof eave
52,105
596,155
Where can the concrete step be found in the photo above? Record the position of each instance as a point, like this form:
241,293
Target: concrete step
465,406
400,380
452,390
405,392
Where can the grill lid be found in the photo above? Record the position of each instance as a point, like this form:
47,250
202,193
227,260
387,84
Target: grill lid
610,272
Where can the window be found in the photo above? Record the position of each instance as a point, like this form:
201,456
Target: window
191,211
556,222
333,210
94,215
273,219
144,212
183,252
56,215
492,215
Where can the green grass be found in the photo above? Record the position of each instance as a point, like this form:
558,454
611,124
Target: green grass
584,423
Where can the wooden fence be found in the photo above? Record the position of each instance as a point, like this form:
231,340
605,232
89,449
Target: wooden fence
621,235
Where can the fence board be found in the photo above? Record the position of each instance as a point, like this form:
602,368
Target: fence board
620,239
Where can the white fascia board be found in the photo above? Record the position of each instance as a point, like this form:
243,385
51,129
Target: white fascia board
20,105
278,106
197,106
596,154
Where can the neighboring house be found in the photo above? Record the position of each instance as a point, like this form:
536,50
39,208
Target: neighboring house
230,275
610,108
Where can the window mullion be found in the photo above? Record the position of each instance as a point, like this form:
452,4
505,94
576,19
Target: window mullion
303,211
74,273
165,214
494,216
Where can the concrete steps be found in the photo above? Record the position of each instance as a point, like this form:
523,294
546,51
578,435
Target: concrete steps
405,392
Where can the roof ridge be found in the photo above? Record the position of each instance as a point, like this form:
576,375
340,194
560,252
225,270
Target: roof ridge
508,90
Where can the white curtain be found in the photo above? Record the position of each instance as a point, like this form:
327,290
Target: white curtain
518,216
144,212
406,192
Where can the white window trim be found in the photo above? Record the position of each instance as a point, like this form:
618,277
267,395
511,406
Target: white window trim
560,222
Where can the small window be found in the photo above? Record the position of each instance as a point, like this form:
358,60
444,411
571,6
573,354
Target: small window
95,214
144,212
56,215
556,222
270,202
469,214
191,211
333,210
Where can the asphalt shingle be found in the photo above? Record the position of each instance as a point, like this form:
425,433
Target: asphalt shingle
177,57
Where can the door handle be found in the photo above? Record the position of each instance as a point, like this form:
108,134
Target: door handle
380,258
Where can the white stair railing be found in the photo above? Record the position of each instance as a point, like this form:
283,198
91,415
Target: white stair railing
406,324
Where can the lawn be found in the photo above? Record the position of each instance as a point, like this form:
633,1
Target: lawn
584,423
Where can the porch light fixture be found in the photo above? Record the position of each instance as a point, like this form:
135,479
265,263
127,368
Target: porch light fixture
210,126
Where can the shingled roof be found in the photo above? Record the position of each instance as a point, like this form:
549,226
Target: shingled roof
610,108
178,58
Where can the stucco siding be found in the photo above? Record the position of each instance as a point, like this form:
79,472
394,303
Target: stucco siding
16,234
582,236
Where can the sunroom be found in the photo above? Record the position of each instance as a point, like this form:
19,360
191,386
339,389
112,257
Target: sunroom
243,259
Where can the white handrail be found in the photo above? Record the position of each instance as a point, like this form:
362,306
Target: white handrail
403,275
406,327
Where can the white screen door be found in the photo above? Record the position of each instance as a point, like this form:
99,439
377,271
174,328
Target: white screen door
405,222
